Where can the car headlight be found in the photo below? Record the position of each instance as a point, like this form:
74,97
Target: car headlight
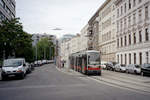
19,70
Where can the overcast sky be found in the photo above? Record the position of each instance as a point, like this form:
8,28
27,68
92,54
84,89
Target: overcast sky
49,16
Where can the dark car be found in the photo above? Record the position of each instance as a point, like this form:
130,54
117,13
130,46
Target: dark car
145,69
111,66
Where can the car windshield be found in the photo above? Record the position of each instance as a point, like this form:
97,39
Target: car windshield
137,66
147,65
94,58
12,63
123,65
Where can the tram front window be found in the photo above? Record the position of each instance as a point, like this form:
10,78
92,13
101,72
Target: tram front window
93,58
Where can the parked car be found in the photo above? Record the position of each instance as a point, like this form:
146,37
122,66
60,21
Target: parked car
36,63
44,61
103,64
111,66
15,67
29,70
133,68
39,63
32,66
120,67
145,69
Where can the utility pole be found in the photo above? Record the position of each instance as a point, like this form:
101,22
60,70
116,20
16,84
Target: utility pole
49,52
36,52
44,53
4,51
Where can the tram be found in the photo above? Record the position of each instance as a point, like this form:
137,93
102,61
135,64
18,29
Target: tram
86,62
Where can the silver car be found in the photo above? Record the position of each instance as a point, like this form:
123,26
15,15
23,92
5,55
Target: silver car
120,67
133,68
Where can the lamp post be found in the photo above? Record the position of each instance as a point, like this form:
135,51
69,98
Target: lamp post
4,50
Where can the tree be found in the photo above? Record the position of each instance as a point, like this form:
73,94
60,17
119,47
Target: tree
45,49
14,41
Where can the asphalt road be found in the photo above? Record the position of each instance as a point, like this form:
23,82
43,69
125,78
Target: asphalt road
47,83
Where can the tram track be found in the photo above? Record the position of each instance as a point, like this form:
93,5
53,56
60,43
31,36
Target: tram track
117,84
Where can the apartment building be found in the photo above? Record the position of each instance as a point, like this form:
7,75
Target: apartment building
7,9
73,44
107,31
133,31
37,37
83,41
93,32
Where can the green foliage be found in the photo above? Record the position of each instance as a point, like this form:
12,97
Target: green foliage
14,41
45,49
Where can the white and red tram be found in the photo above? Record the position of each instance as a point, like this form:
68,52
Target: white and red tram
86,62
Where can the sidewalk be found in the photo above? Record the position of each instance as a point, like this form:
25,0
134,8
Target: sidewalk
69,71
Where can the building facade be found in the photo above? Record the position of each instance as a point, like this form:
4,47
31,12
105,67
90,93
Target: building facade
93,32
73,45
83,41
133,31
7,9
37,37
107,31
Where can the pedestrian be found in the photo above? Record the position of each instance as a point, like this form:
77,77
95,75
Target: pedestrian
63,63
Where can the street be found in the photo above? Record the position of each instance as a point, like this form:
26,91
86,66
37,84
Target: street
48,83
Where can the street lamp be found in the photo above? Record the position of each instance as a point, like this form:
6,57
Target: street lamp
4,50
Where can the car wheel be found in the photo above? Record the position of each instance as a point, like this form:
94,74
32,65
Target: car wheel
4,77
127,71
100,74
142,73
22,76
135,72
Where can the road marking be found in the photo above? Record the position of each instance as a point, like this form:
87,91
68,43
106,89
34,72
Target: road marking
43,86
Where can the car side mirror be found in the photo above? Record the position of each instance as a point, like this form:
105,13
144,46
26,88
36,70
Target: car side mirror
24,65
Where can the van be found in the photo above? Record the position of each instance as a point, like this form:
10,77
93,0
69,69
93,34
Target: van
14,67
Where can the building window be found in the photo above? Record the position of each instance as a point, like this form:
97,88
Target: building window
140,15
134,2
140,58
121,10
129,4
117,42
117,26
146,34
147,57
117,12
134,58
121,42
146,12
125,23
2,3
140,1
121,58
125,59
118,58
134,38
140,36
129,39
125,7
129,21
129,58
134,18
125,40
121,25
